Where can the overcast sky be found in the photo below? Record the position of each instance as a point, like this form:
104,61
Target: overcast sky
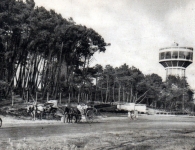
136,29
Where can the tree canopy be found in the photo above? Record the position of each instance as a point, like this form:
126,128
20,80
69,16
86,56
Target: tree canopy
41,50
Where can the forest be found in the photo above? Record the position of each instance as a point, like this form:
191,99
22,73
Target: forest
46,55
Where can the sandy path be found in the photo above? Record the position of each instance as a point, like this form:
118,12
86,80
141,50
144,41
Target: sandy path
146,133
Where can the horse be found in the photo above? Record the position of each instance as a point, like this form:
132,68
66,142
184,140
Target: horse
31,109
68,114
35,109
71,113
40,110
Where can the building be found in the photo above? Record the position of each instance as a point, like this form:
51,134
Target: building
176,59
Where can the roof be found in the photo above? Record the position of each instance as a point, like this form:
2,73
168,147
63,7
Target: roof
177,47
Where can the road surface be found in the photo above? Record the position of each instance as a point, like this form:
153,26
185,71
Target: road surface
144,126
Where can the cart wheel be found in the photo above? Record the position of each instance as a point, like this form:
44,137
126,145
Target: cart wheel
65,118
90,116
74,119
0,122
52,114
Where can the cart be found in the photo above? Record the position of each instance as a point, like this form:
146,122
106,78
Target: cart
51,108
87,112
89,115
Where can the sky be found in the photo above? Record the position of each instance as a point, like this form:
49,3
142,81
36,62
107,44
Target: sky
136,29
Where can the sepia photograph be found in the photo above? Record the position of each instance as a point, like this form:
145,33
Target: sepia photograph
97,75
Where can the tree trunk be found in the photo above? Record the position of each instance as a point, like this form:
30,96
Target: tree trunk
107,86
131,95
102,93
96,90
113,94
123,94
119,93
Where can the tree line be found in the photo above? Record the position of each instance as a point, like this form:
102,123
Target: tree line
129,84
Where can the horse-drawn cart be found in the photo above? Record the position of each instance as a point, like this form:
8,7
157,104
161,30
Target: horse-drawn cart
68,113
79,113
40,110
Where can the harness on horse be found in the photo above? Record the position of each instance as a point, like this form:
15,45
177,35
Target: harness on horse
35,109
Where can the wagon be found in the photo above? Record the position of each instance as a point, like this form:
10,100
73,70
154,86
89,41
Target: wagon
50,109
87,112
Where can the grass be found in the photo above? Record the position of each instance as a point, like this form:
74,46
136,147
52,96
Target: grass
134,140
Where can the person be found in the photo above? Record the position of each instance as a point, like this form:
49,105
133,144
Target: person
0,122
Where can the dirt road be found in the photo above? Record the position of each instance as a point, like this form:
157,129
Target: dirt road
147,132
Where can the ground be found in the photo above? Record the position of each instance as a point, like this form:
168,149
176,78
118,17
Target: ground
147,132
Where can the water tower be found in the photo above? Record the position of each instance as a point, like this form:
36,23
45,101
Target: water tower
176,59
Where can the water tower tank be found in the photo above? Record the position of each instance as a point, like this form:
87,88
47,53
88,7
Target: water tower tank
176,59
